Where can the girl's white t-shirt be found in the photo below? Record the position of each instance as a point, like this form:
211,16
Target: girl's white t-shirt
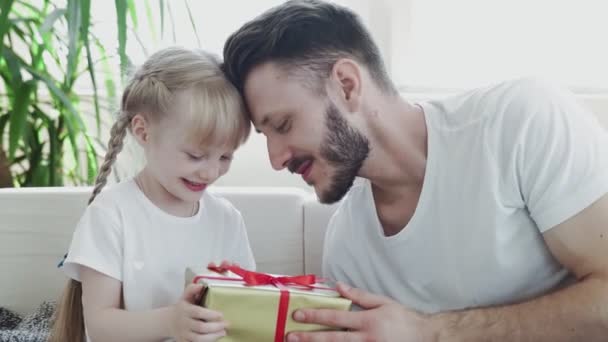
122,234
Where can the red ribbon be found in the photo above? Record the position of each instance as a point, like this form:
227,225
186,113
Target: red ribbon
251,278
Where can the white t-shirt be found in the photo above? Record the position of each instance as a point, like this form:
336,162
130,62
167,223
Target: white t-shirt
505,164
124,235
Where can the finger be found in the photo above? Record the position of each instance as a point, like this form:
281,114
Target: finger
192,293
201,327
200,313
329,317
325,336
362,298
226,263
223,264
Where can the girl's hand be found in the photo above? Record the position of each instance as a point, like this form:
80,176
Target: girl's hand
225,263
193,323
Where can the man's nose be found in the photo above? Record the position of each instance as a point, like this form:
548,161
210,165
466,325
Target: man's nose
278,153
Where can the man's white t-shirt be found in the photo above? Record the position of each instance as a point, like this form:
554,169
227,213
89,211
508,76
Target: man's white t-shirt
505,163
122,234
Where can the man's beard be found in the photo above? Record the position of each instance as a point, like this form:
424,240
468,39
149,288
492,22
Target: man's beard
344,148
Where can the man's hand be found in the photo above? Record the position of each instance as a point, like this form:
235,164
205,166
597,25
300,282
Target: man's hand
382,320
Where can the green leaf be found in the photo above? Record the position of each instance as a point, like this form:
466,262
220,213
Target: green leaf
107,72
32,8
84,35
54,157
49,21
150,20
121,17
33,175
198,39
40,176
12,64
3,121
73,16
92,167
161,4
36,51
19,116
85,19
5,9
132,12
73,121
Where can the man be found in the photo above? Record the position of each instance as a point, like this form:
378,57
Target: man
479,217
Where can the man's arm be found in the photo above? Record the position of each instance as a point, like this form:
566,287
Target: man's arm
576,313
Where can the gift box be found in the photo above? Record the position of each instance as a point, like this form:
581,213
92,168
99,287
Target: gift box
260,306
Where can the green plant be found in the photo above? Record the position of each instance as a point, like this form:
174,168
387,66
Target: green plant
46,136
46,48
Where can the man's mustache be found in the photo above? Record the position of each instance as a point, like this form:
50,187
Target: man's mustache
295,163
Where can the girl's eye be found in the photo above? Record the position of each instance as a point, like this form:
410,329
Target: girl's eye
195,157
226,158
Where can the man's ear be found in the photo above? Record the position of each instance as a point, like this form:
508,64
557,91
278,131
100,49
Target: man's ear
346,73
140,128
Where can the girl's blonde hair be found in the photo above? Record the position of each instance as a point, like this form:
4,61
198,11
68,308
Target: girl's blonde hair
216,115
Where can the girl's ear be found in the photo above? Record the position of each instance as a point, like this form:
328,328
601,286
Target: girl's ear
140,128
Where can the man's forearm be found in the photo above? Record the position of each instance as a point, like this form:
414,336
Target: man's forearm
576,313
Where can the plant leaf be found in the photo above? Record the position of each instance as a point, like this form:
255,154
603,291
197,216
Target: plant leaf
121,18
3,121
161,4
92,167
50,20
13,67
198,39
5,9
19,116
73,121
84,35
151,20
73,17
132,12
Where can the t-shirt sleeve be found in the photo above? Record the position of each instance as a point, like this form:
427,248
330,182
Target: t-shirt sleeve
97,243
561,156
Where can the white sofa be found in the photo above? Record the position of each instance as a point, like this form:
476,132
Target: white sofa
286,228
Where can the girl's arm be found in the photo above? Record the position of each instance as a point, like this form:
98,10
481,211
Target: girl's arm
106,321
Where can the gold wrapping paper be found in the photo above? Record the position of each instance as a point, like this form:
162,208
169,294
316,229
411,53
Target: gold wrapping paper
252,310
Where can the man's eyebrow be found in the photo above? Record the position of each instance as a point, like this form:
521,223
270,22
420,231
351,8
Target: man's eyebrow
266,119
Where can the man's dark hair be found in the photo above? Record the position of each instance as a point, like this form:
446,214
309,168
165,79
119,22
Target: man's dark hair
303,35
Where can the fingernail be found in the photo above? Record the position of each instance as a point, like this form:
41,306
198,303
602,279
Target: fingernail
292,338
298,315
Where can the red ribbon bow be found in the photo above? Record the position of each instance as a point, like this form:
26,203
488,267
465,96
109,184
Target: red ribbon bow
251,278
257,279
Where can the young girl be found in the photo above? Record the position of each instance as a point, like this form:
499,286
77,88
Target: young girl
135,240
